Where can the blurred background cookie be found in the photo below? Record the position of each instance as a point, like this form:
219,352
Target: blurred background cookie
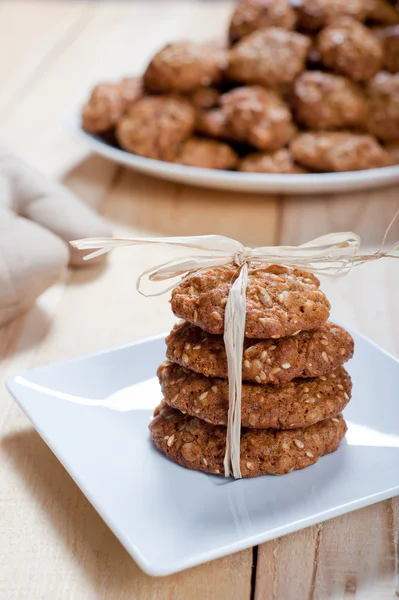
155,126
184,67
208,154
350,48
250,15
338,151
258,116
280,161
326,101
383,114
269,57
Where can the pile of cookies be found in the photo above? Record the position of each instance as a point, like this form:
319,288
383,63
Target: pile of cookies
310,85
294,385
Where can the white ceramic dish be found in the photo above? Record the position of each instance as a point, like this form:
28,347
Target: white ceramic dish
329,183
93,412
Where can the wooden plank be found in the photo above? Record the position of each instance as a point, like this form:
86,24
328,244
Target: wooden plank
33,42
355,555
367,213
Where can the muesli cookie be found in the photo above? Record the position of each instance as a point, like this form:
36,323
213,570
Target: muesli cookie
207,154
339,150
299,403
250,15
326,101
349,48
389,37
184,67
108,103
197,445
269,57
308,354
258,117
155,126
315,14
383,117
279,161
280,301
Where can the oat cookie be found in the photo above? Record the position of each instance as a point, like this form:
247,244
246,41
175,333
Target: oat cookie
197,445
315,14
208,154
108,103
184,67
269,57
250,15
326,101
382,11
280,301
299,403
204,98
349,48
308,354
338,151
258,117
383,118
393,150
155,126
389,36
214,124
279,161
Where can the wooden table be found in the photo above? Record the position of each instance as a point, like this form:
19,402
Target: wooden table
53,545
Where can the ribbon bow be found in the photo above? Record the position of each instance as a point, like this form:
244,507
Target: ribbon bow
333,254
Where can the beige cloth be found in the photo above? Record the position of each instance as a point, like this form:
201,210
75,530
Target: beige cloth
38,217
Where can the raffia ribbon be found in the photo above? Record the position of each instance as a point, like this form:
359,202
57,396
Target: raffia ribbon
333,254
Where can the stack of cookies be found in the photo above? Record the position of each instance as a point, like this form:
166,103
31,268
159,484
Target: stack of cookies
294,385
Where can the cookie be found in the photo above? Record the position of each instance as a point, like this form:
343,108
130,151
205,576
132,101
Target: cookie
389,36
207,154
197,445
315,14
184,67
214,124
269,57
280,301
338,151
204,98
393,150
155,126
308,354
383,118
250,15
279,161
326,101
108,103
349,48
299,403
258,117
382,12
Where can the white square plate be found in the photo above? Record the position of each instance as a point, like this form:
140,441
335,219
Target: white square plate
169,518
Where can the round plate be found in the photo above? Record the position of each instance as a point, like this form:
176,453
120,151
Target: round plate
309,183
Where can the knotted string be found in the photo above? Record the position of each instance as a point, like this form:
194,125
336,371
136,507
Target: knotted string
333,254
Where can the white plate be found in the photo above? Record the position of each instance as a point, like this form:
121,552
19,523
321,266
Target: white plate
329,183
169,518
